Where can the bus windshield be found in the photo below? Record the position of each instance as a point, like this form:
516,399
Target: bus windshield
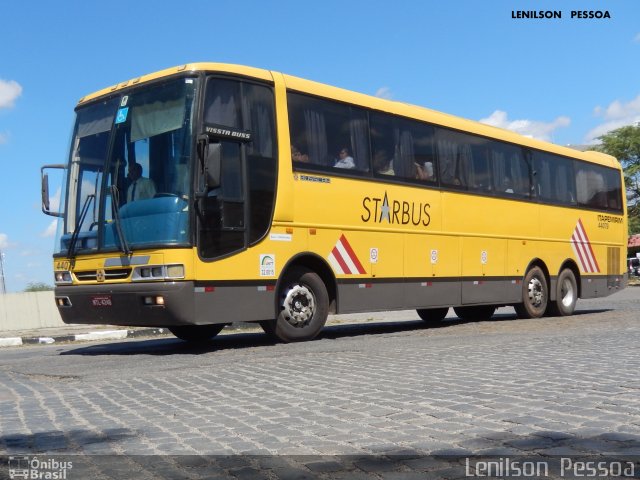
129,171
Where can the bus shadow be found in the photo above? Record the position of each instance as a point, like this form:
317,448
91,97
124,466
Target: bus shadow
243,340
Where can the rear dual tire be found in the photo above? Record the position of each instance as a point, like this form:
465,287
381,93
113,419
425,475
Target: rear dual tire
566,295
535,295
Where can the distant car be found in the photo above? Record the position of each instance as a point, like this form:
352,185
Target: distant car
634,266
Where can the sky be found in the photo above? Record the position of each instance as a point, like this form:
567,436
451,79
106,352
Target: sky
563,80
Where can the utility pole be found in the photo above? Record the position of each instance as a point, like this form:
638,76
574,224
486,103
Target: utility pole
3,288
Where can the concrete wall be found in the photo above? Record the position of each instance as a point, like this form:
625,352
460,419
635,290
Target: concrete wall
24,311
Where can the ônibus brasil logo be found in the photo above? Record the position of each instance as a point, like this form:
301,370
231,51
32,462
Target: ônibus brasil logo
38,468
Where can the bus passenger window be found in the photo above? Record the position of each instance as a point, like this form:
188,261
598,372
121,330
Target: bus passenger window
321,130
383,145
554,178
455,156
509,168
416,151
590,186
614,190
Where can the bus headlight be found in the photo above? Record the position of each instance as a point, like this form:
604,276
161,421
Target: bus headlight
63,277
158,272
175,271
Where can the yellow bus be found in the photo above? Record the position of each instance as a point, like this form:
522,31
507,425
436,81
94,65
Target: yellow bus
212,193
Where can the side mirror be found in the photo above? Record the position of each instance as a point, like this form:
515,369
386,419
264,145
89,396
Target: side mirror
44,190
212,165
210,155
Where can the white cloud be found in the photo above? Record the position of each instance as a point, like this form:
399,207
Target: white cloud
9,91
617,114
4,241
4,137
384,92
50,231
637,38
528,128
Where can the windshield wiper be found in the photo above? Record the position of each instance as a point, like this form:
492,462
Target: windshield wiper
71,251
115,208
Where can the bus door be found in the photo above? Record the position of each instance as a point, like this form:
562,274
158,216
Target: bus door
238,170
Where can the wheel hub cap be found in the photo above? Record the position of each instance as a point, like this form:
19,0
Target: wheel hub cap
298,306
567,293
536,294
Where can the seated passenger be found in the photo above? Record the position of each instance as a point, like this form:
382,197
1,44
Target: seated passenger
508,185
425,171
140,187
298,156
482,182
382,164
344,160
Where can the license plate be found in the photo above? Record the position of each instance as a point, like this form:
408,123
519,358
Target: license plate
101,301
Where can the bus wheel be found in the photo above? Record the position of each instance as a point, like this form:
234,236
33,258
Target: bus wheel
197,333
535,295
268,326
304,306
432,315
475,313
566,295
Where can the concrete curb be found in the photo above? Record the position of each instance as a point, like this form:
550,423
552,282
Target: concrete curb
83,337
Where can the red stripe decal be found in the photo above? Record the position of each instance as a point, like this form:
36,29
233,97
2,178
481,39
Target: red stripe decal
352,255
340,260
593,255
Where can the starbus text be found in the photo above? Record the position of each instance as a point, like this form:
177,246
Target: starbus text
395,212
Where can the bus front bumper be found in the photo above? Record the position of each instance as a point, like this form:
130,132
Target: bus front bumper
161,304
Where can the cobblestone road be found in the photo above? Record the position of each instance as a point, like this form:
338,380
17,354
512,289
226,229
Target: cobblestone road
555,386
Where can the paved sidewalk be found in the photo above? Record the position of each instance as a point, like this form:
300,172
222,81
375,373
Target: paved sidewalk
75,333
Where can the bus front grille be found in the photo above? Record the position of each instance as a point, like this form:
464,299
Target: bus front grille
92,275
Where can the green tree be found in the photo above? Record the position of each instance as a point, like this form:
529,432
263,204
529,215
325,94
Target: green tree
624,144
38,287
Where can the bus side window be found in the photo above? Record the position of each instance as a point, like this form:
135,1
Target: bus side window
614,190
307,130
510,169
590,186
383,145
416,151
455,157
327,134
554,178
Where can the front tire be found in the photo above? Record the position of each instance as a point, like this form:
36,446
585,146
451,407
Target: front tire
566,295
535,295
196,333
475,313
433,316
303,307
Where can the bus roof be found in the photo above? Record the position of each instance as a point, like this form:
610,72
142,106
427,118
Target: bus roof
348,96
